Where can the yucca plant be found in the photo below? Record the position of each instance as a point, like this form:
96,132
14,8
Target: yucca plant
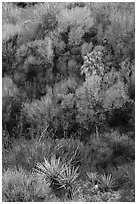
51,170
67,179
61,175
93,177
107,182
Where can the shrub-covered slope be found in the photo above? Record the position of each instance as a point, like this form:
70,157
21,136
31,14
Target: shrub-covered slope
68,101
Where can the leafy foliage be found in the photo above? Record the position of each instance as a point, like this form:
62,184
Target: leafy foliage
93,63
36,67
11,107
89,103
69,90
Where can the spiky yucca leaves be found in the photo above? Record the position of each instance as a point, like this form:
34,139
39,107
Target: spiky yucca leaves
67,179
61,175
51,170
107,182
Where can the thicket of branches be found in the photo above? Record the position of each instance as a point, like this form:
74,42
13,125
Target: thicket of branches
69,72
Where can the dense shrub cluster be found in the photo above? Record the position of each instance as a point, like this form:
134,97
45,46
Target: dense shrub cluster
68,97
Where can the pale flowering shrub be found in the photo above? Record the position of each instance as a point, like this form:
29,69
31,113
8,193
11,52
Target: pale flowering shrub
93,63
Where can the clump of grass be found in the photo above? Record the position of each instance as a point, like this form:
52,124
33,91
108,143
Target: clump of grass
21,186
71,150
27,153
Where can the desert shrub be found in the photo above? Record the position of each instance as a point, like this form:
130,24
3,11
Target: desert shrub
38,25
64,92
11,29
69,76
55,111
109,92
111,77
6,139
93,62
123,147
21,186
61,64
120,88
98,154
128,75
10,13
125,175
65,87
33,67
128,171
64,121
9,48
114,23
11,107
9,88
26,153
34,22
58,43
70,150
39,115
72,24
74,65
90,112
122,24
90,96
116,99
73,17
86,48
